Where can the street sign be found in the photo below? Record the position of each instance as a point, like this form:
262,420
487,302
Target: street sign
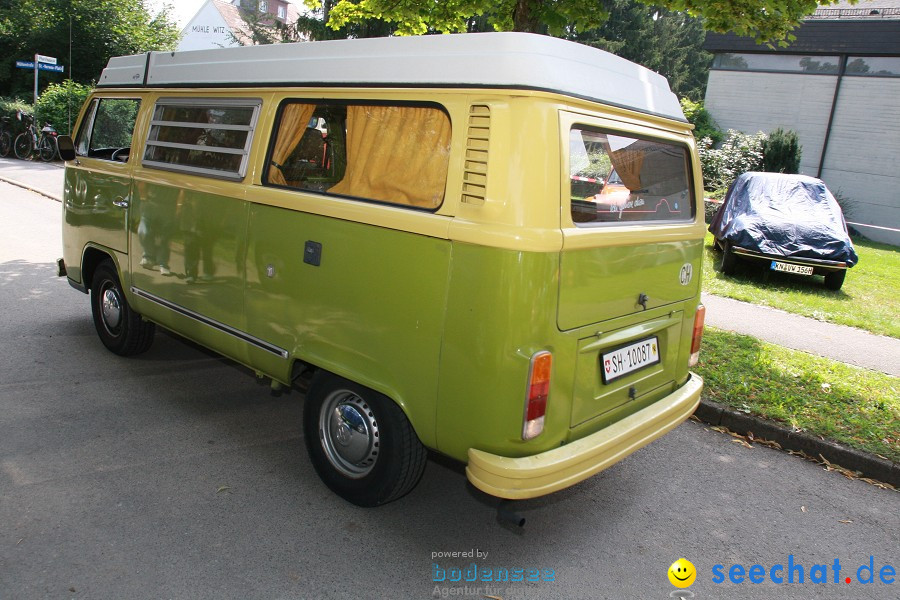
29,64
50,60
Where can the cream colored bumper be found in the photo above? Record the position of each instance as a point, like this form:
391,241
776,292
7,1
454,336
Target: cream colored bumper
532,476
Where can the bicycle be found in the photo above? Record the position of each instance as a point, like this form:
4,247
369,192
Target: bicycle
29,141
6,142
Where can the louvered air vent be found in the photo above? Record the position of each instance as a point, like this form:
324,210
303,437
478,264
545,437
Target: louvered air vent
477,142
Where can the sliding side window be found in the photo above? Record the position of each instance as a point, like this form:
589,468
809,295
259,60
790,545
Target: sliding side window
209,137
397,154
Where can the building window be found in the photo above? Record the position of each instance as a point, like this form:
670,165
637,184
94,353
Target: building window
263,6
873,66
788,63
203,137
398,154
282,12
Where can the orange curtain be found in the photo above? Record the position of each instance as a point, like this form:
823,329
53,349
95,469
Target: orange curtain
628,165
294,120
396,154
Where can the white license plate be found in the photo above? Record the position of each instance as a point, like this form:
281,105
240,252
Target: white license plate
790,268
626,360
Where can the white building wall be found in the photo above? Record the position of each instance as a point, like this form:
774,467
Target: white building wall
206,30
864,148
863,158
750,102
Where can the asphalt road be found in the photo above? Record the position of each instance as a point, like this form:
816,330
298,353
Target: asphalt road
175,475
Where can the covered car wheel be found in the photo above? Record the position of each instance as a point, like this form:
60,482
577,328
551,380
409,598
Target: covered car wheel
359,441
729,260
835,279
121,330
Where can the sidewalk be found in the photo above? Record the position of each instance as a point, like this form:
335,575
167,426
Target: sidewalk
837,342
44,178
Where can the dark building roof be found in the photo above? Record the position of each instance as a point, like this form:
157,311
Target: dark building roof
857,36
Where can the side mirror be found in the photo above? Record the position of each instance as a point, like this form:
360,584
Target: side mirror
66,147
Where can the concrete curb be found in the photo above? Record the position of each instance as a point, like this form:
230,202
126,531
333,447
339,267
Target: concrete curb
869,465
30,188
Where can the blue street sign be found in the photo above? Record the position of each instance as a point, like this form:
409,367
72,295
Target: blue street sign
29,64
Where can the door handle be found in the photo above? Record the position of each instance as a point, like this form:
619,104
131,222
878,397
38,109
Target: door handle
120,202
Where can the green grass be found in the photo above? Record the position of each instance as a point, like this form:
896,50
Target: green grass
847,404
868,299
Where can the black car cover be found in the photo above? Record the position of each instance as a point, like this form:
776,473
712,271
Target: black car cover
784,215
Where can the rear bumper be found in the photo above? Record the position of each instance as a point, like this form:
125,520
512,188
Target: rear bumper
551,471
819,265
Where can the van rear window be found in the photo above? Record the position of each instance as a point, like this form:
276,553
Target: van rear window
205,137
615,179
397,154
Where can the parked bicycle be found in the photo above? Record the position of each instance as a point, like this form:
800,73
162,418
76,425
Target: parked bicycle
29,141
6,141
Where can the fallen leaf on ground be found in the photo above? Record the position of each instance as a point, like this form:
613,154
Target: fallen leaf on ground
803,508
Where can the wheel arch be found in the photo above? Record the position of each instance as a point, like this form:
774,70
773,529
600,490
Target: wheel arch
91,258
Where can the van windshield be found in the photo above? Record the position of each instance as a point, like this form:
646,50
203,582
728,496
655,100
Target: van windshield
636,179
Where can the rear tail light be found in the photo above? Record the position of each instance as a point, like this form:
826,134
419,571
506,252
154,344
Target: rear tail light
536,398
698,335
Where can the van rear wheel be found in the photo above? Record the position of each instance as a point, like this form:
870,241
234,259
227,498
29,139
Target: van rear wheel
121,330
359,441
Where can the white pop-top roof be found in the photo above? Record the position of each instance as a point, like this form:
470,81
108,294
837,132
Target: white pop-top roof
493,60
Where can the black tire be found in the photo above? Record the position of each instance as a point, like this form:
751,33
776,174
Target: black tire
729,260
835,279
46,149
121,330
22,146
5,144
359,441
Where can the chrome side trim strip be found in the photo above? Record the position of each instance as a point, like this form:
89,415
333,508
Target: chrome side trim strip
243,336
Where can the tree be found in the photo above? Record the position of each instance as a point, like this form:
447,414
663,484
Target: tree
100,29
767,20
667,42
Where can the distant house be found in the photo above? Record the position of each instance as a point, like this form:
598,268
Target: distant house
838,86
223,23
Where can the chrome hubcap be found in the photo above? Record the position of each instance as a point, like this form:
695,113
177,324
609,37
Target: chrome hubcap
349,433
111,310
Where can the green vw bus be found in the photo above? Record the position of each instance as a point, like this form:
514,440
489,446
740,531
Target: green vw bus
400,227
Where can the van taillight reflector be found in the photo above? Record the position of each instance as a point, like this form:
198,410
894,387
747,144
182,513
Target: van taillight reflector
698,335
538,390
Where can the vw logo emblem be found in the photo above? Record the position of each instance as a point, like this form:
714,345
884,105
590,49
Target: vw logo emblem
687,273
342,434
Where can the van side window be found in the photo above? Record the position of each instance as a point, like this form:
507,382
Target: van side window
387,153
616,179
202,136
107,129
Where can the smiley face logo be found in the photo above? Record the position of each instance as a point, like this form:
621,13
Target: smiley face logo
682,573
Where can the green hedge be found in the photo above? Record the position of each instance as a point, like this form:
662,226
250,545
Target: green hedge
60,104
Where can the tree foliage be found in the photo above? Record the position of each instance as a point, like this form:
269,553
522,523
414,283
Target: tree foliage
766,20
667,42
414,17
100,29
